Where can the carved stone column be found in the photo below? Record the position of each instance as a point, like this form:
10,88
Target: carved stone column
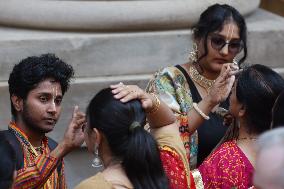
110,15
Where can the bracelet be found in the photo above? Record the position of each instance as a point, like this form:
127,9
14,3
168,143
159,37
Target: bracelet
156,106
196,108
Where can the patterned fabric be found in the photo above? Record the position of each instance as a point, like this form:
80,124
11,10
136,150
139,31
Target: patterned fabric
172,87
227,167
173,156
39,169
174,168
196,180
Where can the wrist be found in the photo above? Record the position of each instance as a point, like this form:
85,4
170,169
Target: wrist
155,104
210,101
61,150
200,112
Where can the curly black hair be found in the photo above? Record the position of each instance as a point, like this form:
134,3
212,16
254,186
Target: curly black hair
27,74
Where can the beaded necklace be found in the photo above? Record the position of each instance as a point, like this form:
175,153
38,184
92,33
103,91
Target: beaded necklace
200,79
20,134
23,137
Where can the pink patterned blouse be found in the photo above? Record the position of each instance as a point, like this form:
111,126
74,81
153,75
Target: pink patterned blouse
227,167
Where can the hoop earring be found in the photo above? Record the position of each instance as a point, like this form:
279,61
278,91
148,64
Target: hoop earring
97,162
193,54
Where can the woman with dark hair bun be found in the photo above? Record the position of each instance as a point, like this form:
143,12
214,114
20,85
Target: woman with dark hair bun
115,134
231,164
133,157
219,36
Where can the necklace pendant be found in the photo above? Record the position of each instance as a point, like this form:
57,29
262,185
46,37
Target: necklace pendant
200,79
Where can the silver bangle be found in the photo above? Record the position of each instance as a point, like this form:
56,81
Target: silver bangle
196,108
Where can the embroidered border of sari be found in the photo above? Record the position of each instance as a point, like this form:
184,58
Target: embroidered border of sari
196,180
169,141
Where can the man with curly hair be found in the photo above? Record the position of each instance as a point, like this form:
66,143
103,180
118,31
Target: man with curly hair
37,85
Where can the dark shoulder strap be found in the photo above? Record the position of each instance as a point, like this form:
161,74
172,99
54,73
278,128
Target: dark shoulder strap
52,145
15,143
194,92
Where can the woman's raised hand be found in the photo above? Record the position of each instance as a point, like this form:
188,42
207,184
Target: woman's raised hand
223,84
126,93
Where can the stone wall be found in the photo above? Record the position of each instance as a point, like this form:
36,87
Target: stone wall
131,56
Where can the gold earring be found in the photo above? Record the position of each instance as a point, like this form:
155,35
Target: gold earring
193,54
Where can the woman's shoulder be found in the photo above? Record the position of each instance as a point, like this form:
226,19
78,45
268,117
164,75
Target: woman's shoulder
227,154
116,175
172,87
223,150
226,168
97,181
170,72
168,78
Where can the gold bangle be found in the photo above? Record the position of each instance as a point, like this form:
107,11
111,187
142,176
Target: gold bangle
196,108
156,104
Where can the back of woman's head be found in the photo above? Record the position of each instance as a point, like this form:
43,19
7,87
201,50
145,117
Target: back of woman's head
7,164
257,88
278,112
122,125
214,18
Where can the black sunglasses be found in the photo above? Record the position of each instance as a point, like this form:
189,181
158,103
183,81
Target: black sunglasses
234,46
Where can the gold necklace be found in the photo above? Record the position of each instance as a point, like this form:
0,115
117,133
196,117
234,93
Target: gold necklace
200,79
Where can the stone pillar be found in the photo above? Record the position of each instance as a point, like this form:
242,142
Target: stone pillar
110,15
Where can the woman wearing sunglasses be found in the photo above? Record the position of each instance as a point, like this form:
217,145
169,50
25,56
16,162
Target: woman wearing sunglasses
219,36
